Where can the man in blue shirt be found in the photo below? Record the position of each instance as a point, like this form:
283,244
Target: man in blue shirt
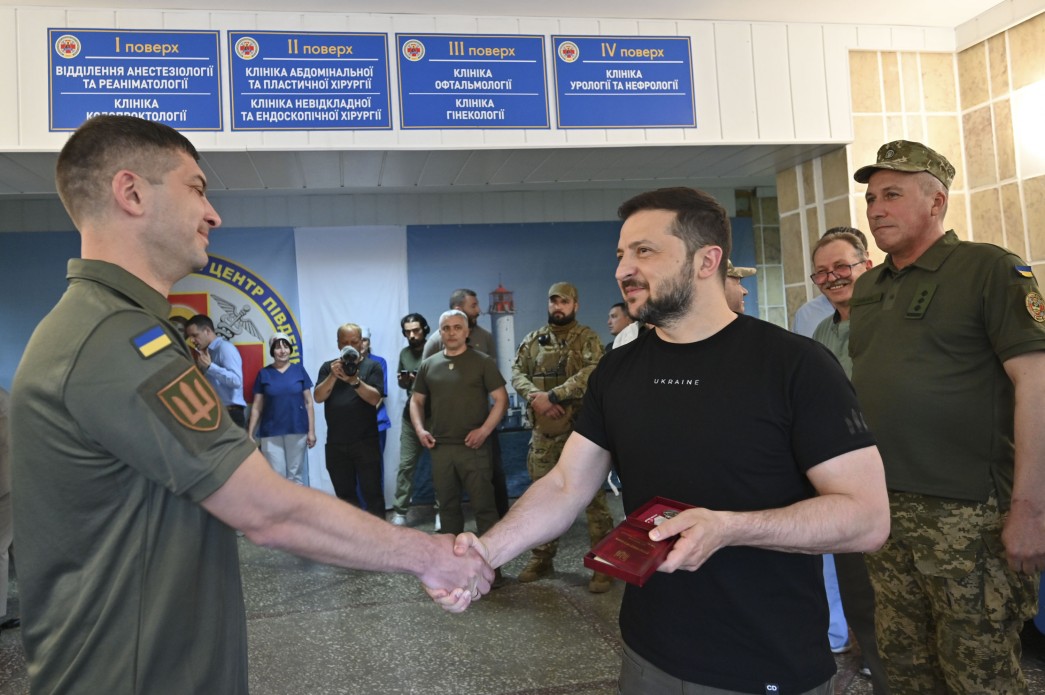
221,364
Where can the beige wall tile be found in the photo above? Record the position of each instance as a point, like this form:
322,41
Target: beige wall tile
1034,195
812,225
1003,139
836,214
986,217
1012,213
787,190
938,82
868,136
770,215
1027,51
834,173
912,83
915,131
791,247
864,81
808,183
796,297
942,134
956,215
999,67
894,128
891,81
771,246
972,75
979,148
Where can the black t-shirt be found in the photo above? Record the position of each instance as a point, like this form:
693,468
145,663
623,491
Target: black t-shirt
732,422
349,418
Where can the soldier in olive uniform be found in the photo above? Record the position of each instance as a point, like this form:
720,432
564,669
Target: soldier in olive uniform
551,372
947,339
130,474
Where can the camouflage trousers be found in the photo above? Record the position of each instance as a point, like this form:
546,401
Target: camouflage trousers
540,459
948,608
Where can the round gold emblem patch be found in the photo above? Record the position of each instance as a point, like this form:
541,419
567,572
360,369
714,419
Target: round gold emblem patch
1036,307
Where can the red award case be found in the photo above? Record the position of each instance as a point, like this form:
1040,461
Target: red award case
627,552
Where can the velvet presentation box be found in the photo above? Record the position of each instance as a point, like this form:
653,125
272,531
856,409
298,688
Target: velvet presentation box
627,552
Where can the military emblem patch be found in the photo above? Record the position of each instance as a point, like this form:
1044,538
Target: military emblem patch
151,341
1036,307
192,401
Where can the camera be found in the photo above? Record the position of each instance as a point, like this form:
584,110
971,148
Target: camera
350,360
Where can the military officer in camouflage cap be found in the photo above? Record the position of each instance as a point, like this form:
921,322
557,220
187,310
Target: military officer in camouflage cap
551,372
947,339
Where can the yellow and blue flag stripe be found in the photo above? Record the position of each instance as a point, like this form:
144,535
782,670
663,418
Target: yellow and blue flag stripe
151,341
1024,270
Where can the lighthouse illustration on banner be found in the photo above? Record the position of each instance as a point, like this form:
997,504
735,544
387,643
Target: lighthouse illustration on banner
502,317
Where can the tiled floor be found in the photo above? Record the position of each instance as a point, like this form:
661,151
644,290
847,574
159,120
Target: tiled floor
316,630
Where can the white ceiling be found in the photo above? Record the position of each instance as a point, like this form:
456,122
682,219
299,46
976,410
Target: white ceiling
316,172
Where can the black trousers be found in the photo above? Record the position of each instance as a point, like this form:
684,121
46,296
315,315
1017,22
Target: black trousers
358,463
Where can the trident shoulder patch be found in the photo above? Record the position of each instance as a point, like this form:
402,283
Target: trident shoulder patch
1036,307
151,341
192,401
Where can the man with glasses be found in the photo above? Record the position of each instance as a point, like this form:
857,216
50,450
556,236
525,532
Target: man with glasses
839,258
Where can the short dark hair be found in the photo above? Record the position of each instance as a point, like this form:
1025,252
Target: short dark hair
410,318
276,342
847,230
621,306
102,146
200,321
699,219
457,297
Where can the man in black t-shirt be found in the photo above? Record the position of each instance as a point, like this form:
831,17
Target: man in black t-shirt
757,428
350,387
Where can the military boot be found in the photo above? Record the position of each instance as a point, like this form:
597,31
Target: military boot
600,583
536,568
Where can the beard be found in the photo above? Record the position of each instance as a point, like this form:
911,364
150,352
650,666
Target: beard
561,320
416,343
672,304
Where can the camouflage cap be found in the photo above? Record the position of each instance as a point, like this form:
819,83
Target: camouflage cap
563,289
735,272
909,156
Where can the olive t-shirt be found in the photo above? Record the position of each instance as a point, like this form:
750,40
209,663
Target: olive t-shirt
127,584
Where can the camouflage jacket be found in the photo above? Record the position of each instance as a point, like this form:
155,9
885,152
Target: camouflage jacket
558,361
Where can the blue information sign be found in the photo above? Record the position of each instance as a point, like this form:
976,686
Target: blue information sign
309,81
167,76
624,82
472,81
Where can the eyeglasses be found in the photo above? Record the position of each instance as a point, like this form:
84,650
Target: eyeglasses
839,271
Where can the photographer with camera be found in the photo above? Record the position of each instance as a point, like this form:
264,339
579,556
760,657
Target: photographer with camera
350,387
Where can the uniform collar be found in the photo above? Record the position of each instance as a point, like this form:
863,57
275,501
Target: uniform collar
116,278
931,260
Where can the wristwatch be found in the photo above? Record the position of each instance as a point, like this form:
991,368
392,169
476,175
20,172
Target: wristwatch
359,382
553,397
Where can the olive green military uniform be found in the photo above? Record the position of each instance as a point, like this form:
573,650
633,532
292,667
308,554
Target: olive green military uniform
928,343
559,360
127,584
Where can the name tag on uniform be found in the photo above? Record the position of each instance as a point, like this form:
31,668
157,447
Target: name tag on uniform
866,299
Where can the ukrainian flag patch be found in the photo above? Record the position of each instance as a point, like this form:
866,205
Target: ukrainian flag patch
151,341
1024,270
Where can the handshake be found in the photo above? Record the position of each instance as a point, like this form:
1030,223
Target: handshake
459,573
